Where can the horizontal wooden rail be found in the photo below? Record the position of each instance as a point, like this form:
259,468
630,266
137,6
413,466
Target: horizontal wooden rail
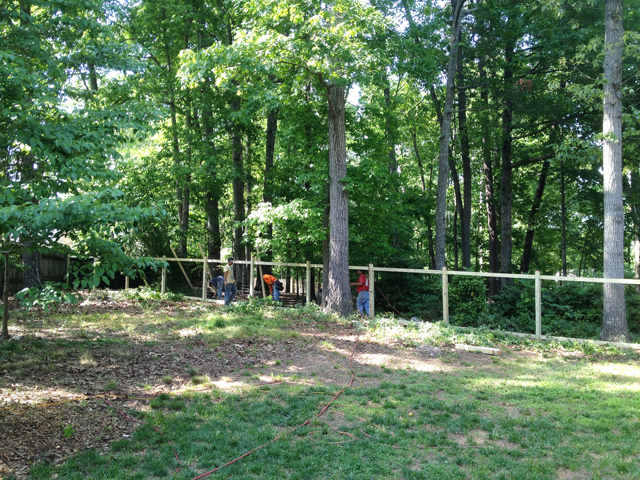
624,281
443,274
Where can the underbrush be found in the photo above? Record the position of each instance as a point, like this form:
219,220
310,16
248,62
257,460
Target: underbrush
439,333
568,309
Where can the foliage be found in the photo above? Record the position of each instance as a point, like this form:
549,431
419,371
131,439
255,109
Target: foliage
47,297
121,121
569,309
58,142
467,300
145,294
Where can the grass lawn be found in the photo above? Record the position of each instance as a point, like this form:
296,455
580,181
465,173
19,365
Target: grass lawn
539,410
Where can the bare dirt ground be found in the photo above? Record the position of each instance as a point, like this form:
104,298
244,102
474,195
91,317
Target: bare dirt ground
54,407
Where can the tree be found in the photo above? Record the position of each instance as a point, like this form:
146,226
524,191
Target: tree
445,135
58,136
324,43
614,321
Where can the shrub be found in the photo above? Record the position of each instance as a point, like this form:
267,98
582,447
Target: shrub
47,297
467,300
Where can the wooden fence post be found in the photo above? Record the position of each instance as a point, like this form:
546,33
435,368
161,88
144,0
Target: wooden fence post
251,275
204,278
126,282
308,291
445,295
372,301
163,284
538,306
68,275
5,298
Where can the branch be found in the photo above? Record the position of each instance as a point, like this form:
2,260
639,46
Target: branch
529,161
155,60
323,82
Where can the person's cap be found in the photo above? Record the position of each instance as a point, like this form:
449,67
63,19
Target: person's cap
230,259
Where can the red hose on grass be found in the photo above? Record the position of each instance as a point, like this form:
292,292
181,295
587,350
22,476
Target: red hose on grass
353,374
385,297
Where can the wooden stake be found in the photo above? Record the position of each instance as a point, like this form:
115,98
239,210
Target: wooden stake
181,268
264,292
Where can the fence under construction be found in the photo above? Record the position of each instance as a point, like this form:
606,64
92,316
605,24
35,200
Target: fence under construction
254,265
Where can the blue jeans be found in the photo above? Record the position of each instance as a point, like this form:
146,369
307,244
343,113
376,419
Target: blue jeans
218,284
230,293
363,301
276,294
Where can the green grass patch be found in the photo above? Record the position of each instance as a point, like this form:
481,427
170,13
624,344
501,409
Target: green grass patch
525,420
536,416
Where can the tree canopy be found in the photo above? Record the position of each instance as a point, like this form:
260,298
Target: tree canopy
400,133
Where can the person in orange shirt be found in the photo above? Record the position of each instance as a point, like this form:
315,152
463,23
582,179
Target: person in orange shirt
270,280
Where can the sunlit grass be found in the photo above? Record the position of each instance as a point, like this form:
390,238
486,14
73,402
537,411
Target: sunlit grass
491,423
560,411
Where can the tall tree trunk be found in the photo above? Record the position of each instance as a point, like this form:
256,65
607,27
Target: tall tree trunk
186,178
93,77
31,261
445,135
506,244
179,177
416,39
212,189
248,189
489,194
457,191
432,261
537,200
267,197
338,291
325,244
465,206
563,215
393,164
238,186
213,225
614,321
456,255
